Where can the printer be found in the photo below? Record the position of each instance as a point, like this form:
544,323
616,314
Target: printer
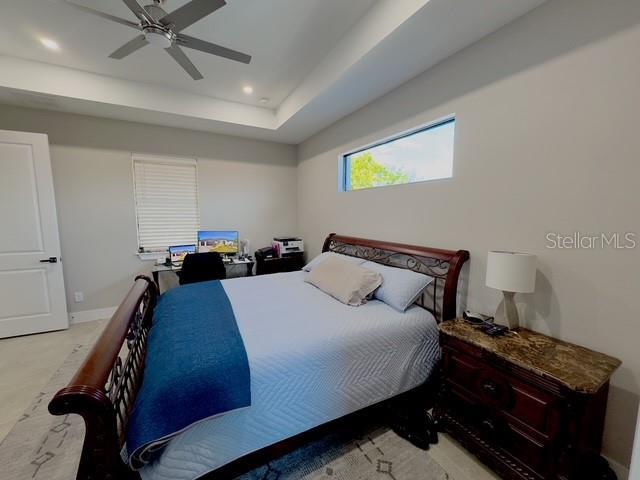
288,246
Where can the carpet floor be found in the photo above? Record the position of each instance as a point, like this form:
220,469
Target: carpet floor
41,446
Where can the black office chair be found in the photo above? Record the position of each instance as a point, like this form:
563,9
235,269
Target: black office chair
201,267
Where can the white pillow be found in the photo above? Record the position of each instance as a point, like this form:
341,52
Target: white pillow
400,287
324,255
345,281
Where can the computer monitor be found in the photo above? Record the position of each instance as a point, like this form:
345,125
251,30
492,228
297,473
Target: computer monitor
177,253
224,242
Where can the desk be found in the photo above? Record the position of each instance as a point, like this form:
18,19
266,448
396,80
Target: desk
155,271
278,264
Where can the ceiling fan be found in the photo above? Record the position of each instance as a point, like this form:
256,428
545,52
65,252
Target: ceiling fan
162,29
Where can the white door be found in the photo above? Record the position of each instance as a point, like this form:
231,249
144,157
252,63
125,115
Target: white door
32,297
635,459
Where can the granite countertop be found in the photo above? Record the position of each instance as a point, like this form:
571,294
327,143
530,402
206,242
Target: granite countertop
577,368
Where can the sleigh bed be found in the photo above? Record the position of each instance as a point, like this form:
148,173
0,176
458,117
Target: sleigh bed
104,389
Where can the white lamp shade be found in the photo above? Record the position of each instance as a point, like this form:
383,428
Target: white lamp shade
511,271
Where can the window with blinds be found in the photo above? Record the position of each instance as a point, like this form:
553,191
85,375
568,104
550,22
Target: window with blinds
166,194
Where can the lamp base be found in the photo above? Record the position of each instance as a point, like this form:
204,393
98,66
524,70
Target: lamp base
507,312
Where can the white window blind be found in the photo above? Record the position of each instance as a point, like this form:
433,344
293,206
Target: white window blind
166,194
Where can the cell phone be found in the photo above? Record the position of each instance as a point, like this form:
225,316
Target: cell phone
476,318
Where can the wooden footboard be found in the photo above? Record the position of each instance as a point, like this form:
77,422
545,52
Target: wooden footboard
104,389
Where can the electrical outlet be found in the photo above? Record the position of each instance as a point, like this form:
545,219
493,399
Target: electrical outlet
79,296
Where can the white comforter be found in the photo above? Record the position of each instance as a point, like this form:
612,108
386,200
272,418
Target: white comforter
312,360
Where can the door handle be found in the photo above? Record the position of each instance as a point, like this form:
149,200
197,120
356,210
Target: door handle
50,260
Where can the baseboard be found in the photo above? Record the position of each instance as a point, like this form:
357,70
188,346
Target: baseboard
621,471
91,315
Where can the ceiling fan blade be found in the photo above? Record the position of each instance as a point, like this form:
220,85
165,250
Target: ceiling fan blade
212,48
130,47
139,11
121,21
190,13
180,57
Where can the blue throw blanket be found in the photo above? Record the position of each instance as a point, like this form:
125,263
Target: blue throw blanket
196,368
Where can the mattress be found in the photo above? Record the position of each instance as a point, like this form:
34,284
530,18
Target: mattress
312,360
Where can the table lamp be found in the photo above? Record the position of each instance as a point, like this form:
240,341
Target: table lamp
511,272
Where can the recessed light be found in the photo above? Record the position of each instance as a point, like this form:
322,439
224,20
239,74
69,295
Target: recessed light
248,89
264,100
50,44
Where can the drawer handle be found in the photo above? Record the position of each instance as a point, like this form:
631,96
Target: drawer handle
491,389
489,426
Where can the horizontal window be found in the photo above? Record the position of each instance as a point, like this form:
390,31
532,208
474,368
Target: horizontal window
415,156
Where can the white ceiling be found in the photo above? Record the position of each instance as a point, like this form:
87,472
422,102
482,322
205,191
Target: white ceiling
284,51
316,60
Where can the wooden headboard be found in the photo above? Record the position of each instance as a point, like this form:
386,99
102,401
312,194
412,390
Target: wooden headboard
443,265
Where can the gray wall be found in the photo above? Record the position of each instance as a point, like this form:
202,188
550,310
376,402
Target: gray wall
245,185
546,141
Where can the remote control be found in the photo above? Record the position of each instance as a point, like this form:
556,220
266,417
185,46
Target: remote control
494,330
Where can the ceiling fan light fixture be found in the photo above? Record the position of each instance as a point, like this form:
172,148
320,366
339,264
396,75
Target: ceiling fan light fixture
158,37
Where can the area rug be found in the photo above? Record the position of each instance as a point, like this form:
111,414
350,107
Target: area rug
41,446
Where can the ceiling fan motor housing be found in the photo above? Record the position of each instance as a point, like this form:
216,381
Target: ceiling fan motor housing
155,11
158,35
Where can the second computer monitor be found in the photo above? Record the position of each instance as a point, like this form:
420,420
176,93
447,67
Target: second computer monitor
225,242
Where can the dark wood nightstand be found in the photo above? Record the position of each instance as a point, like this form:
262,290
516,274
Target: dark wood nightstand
529,406
265,266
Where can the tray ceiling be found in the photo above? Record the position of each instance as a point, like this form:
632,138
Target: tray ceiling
314,60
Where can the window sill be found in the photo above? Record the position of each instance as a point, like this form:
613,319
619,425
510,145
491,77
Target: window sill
151,256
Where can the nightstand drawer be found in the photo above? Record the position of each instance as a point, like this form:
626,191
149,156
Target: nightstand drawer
489,427
522,405
517,443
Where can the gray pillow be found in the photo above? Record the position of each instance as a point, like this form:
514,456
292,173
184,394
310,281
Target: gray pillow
324,255
400,287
